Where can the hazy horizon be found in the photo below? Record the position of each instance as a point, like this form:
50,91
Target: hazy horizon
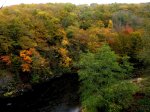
77,2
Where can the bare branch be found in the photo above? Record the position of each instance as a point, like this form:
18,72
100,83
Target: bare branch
3,4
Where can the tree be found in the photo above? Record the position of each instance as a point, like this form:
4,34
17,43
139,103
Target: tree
124,18
144,54
102,81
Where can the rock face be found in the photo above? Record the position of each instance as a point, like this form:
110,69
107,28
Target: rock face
137,80
6,79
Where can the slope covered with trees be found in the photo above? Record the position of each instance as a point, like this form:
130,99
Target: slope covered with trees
105,44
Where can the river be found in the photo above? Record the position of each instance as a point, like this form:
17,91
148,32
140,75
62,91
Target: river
57,95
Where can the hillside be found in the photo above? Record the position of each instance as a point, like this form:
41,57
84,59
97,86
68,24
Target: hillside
105,44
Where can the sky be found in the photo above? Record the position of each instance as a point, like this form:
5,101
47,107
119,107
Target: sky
13,2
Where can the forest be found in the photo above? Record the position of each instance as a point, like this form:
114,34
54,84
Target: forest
106,46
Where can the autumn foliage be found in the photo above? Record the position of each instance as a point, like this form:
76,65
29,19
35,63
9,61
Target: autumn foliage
26,56
6,59
45,40
65,59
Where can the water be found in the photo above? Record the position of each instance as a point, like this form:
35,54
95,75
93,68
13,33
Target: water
58,95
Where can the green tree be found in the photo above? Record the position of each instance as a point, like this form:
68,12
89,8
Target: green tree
102,81
145,52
